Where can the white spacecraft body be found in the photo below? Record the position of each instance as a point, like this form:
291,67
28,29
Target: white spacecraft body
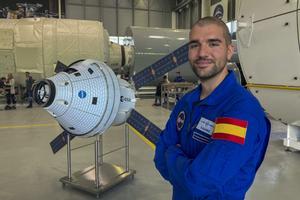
87,98
268,46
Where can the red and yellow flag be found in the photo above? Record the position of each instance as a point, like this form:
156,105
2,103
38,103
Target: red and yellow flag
230,129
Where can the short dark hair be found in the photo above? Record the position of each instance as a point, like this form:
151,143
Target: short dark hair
213,20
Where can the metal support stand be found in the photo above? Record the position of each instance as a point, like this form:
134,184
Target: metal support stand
293,137
102,176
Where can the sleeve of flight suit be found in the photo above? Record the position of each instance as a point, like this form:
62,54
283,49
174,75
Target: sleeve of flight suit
167,138
217,163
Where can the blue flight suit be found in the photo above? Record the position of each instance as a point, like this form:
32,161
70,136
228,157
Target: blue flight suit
201,167
179,79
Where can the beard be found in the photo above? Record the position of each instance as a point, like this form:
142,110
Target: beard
203,75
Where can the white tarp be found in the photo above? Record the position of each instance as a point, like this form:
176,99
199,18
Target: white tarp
35,45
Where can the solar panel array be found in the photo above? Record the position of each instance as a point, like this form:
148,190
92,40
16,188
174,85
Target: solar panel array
60,141
144,126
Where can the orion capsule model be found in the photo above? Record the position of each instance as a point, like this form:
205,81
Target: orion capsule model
86,98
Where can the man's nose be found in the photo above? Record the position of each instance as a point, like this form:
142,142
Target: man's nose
203,51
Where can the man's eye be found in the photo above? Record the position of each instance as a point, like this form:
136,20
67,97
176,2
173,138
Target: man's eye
193,45
214,44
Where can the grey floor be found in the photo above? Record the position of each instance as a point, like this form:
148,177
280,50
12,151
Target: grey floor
29,170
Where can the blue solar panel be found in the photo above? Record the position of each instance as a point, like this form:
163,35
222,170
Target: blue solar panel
60,141
161,67
144,126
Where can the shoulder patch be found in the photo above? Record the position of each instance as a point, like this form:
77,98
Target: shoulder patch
230,129
180,120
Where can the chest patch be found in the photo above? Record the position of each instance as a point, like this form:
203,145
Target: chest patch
206,126
180,120
204,130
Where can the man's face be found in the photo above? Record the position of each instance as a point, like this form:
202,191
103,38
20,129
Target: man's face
208,51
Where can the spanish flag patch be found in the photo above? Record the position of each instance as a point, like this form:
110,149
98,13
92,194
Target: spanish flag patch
230,129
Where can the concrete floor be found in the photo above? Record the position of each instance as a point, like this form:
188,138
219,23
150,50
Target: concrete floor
29,170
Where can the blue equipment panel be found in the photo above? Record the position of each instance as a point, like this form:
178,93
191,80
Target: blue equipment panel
161,67
60,141
144,126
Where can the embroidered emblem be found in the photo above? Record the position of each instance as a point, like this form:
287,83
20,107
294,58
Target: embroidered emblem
180,120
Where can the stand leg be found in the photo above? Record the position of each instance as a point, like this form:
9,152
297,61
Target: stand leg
126,147
69,157
100,150
97,144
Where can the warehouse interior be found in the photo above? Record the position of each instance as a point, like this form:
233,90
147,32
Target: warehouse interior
127,40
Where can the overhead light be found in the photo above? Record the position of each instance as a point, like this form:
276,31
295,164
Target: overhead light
157,36
181,38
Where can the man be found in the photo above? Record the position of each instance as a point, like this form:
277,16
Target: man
28,92
2,84
10,92
217,134
157,101
178,78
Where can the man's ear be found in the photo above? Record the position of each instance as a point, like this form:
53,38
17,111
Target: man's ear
230,51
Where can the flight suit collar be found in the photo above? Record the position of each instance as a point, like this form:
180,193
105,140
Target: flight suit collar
220,92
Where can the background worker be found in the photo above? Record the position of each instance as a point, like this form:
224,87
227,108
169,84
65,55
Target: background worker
28,90
157,101
10,89
178,77
2,85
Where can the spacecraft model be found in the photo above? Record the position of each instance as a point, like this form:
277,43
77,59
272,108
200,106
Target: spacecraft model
86,98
